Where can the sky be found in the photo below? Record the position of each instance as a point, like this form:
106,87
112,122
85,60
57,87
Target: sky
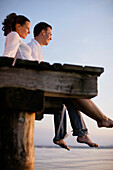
82,35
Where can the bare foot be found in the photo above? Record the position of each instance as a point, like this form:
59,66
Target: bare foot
85,139
61,143
105,123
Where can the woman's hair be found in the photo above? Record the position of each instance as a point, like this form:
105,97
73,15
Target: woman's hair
39,27
10,22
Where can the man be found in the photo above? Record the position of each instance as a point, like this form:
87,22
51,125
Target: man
42,36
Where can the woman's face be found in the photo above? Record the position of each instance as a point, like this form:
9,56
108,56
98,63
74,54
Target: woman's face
23,30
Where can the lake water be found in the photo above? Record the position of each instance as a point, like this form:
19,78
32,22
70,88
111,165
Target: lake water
76,159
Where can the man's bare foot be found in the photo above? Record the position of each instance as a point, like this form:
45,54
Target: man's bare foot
85,139
105,123
61,143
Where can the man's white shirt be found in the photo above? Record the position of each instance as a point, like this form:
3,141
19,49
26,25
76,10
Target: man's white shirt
36,51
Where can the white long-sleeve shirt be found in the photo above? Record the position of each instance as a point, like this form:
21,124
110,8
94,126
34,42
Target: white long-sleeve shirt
36,51
16,48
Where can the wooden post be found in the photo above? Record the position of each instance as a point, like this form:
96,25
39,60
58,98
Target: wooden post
17,127
17,140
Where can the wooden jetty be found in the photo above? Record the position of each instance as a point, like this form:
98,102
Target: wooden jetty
27,91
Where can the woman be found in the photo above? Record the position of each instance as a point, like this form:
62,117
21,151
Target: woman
16,27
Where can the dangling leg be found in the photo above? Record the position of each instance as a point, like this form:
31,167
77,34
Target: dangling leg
60,129
88,107
78,125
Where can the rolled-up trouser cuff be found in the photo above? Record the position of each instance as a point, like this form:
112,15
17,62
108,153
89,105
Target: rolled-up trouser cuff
57,138
80,132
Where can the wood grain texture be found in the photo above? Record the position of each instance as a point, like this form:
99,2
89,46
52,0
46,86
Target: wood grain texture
16,140
20,99
53,83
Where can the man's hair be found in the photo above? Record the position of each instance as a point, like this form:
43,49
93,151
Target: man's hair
39,27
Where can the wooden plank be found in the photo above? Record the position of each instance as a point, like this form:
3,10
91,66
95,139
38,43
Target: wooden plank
72,68
6,61
53,102
52,82
52,105
12,98
27,64
94,70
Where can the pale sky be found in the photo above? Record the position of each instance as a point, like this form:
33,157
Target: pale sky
83,35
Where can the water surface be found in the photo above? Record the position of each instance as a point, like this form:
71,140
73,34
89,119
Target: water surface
76,159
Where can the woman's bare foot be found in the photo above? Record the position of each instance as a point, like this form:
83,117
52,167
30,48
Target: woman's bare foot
105,123
85,139
61,143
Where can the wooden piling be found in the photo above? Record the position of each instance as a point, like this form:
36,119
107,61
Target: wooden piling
16,140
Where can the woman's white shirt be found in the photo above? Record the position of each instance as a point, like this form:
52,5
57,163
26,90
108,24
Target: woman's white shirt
16,48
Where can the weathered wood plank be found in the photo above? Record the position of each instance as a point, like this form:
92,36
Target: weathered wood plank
13,98
6,61
53,102
94,70
54,83
52,105
72,68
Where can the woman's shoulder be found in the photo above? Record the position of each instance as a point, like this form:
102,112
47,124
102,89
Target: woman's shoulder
13,35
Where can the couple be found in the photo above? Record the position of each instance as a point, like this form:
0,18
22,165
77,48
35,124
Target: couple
16,27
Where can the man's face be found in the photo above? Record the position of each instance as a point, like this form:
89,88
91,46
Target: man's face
47,36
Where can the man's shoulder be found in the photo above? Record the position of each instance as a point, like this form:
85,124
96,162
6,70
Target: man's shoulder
33,43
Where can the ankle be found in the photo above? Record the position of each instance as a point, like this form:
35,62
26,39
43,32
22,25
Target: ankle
103,119
81,137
